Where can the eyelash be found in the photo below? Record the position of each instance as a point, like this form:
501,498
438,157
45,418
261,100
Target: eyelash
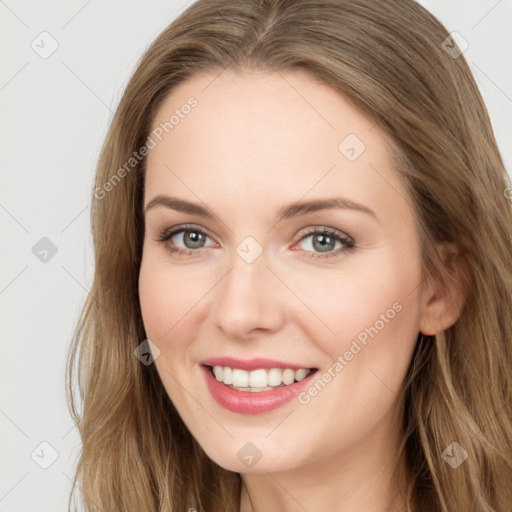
348,242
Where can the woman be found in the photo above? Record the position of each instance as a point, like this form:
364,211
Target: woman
303,277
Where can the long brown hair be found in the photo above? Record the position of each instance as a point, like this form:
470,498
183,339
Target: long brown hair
389,59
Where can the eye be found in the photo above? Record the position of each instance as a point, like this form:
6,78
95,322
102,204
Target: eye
191,239
321,242
318,242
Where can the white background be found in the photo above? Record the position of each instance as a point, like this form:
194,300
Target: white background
55,114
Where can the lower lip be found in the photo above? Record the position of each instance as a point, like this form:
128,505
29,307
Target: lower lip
247,402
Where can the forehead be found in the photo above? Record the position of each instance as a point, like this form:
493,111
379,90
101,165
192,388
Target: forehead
277,135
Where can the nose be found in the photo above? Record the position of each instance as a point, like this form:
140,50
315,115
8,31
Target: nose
248,300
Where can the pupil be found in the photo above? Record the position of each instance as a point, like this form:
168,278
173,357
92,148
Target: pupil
194,238
326,243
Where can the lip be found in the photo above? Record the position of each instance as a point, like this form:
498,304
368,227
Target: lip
251,364
247,402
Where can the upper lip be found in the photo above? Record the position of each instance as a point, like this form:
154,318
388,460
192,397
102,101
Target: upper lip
251,364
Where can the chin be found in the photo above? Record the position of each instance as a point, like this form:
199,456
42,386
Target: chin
243,456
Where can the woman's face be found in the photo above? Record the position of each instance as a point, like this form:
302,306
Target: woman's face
295,258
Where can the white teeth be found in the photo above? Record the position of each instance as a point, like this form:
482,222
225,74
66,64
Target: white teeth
288,376
240,378
227,377
274,377
218,372
299,374
260,379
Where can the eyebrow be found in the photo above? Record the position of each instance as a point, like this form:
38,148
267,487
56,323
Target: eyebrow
286,212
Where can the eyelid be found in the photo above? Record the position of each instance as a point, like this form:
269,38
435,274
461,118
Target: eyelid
169,232
325,229
348,242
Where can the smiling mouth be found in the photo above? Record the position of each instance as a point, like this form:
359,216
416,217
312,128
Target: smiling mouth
260,379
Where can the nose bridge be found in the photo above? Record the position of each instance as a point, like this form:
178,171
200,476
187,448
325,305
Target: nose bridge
248,297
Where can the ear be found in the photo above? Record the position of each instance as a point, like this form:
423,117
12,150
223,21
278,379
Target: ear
444,296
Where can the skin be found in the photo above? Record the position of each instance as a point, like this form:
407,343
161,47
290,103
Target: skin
255,142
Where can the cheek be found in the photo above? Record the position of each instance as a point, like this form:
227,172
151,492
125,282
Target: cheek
170,303
375,320
168,294
373,315
368,299
155,303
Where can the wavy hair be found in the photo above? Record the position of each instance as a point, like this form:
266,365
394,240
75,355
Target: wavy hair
388,58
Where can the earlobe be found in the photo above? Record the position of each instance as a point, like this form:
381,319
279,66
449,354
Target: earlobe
443,295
